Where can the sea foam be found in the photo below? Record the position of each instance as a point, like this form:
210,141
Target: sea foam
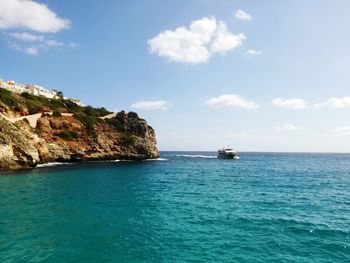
42,165
157,159
197,156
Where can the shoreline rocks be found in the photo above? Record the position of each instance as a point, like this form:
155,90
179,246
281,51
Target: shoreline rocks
72,139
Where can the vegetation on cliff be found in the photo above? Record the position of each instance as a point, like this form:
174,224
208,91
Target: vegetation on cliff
34,104
65,131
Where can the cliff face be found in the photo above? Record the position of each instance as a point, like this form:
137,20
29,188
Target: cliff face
79,136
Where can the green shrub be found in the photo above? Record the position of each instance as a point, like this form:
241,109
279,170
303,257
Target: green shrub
68,135
5,92
87,115
28,96
133,115
8,98
56,114
97,112
88,121
36,101
59,94
54,104
72,106
127,138
33,109
116,124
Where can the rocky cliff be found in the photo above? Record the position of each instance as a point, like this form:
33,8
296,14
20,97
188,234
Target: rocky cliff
35,130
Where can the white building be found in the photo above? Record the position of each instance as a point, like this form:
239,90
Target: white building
33,89
12,86
40,91
30,88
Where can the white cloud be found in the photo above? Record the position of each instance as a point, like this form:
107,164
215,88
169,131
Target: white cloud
24,36
231,100
27,37
291,104
240,14
335,103
288,128
342,131
197,43
253,52
31,51
19,40
225,40
30,15
151,105
52,43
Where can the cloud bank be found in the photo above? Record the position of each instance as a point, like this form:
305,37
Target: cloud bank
197,43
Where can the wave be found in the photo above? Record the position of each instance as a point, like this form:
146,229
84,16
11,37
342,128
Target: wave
197,156
42,165
157,159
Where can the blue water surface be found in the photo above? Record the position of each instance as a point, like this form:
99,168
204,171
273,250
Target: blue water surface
186,207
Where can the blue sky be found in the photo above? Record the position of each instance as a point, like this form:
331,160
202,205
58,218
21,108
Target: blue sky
256,75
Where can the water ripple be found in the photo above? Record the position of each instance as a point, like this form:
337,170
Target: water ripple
190,207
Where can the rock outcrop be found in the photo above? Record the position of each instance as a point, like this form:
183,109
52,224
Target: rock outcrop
81,136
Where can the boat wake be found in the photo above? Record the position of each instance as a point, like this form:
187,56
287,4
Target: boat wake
42,165
158,159
197,156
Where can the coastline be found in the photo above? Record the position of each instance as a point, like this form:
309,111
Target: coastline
38,130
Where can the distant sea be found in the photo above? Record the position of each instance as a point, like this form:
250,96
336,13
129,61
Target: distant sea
184,207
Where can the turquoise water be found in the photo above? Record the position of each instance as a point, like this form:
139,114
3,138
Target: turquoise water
190,207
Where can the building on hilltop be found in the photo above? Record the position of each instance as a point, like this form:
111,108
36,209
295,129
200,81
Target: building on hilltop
40,91
12,86
35,90
31,89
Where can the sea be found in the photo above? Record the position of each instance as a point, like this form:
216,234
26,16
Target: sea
182,207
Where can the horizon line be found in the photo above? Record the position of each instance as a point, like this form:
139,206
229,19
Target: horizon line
311,152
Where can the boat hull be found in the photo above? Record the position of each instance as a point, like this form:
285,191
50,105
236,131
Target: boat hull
227,155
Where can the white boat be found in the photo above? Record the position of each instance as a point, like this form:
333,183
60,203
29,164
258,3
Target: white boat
227,153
